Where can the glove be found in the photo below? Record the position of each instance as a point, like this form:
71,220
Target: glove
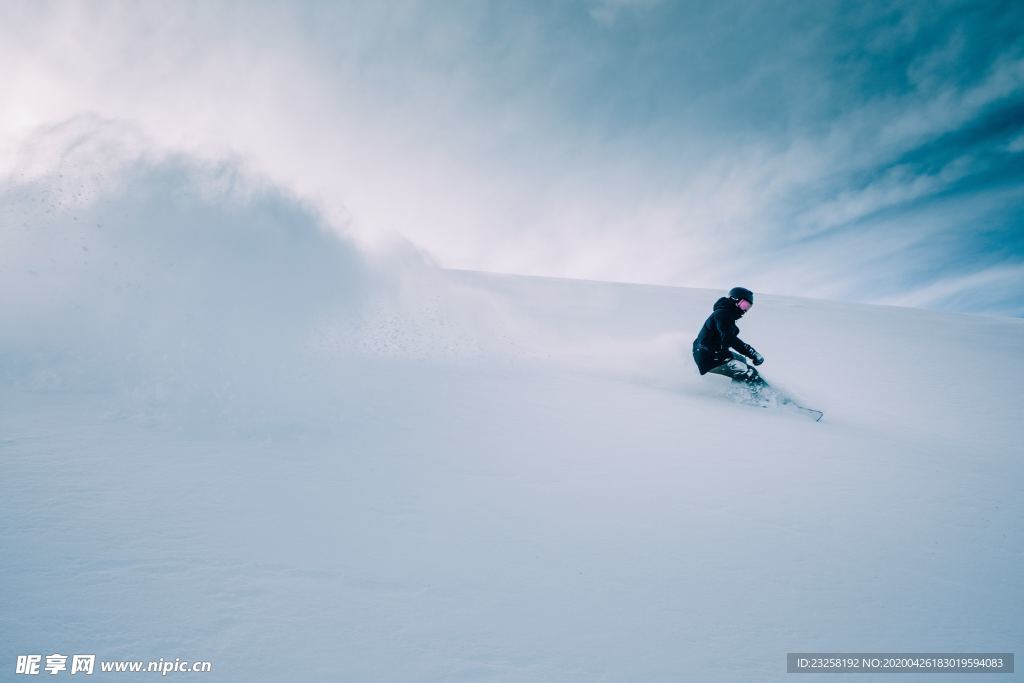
757,358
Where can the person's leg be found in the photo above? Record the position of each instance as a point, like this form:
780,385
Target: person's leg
738,370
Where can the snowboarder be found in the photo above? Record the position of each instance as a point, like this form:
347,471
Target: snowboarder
713,352
712,349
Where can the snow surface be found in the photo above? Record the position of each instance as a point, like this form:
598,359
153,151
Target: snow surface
228,435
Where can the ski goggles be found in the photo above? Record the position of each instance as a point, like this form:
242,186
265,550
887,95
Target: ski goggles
744,305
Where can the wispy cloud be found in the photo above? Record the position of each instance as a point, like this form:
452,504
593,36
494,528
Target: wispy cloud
977,285
608,11
806,148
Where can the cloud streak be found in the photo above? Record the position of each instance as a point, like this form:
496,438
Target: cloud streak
820,149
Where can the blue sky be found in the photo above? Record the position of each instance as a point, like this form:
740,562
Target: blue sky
861,151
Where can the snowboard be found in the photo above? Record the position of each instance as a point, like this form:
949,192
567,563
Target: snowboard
804,410
768,396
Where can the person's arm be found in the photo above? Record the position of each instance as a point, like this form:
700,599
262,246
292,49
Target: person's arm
749,351
730,340
744,348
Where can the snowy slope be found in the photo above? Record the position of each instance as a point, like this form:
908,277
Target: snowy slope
228,436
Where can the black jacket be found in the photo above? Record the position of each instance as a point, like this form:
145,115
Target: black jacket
711,347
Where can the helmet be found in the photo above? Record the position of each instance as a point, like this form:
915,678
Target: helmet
738,293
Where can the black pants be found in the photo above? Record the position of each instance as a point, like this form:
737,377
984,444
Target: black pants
739,371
